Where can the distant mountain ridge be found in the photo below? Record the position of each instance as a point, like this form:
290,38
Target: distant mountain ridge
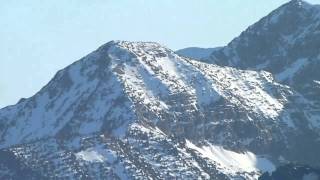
285,43
196,52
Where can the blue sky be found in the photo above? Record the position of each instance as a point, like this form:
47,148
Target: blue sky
39,37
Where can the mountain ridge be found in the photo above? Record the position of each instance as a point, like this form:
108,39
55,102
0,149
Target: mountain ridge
98,110
138,110
196,52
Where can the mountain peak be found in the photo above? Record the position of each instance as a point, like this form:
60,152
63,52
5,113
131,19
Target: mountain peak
136,48
131,44
283,28
298,4
128,102
137,110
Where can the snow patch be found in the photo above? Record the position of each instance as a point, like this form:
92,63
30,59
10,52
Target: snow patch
96,154
233,162
317,82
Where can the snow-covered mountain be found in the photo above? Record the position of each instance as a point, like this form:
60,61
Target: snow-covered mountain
285,43
137,110
196,52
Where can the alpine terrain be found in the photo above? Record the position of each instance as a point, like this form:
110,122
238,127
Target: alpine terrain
285,43
138,110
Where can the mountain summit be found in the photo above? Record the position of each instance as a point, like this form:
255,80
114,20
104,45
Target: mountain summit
285,43
125,82
282,33
137,110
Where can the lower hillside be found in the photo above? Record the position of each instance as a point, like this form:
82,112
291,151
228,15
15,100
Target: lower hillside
145,153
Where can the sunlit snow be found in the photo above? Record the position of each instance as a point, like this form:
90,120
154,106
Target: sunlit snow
96,154
233,162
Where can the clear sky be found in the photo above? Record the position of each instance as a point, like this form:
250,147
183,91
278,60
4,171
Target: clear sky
39,37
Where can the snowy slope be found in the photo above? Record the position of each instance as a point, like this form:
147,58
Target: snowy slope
233,162
285,43
127,110
82,99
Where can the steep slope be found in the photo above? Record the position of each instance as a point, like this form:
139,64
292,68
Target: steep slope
285,43
139,111
84,98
